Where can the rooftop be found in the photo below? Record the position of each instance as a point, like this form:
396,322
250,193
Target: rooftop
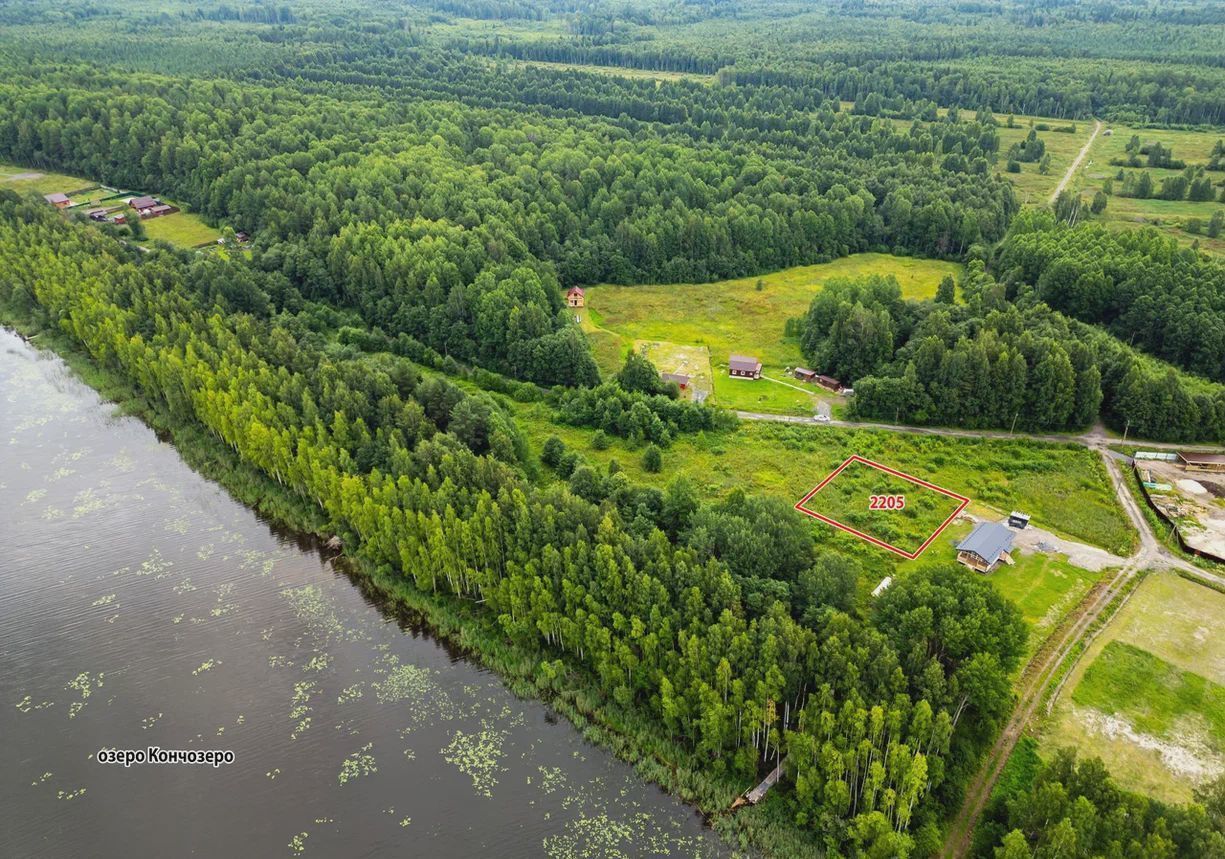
1201,458
988,540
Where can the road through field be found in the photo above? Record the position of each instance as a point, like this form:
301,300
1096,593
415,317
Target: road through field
1080,156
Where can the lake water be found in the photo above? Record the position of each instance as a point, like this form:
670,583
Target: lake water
140,605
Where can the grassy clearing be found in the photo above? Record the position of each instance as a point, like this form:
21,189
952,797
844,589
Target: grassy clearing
618,71
23,179
1065,488
182,229
1171,216
1153,695
1174,622
1032,186
848,499
692,361
736,316
1045,588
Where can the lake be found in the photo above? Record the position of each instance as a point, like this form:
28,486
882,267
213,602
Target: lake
140,605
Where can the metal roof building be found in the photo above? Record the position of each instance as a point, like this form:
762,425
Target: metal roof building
988,544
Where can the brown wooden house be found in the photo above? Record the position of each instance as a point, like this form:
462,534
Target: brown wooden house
743,367
575,296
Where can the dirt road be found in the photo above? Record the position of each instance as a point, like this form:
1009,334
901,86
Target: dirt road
1080,156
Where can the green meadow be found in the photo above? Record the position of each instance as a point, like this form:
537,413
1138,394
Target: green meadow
1171,216
1064,487
736,316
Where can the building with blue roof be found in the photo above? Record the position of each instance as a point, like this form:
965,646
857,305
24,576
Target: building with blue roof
988,545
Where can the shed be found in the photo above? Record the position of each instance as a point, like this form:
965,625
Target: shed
57,200
1193,461
804,375
575,296
883,586
744,367
829,382
1018,520
988,544
682,381
143,202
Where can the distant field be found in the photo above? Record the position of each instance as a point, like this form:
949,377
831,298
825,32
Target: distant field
1064,487
1171,216
619,71
734,316
182,228
1147,694
23,179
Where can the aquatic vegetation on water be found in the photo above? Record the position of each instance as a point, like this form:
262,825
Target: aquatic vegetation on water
297,844
207,665
350,693
104,600
84,684
358,764
477,755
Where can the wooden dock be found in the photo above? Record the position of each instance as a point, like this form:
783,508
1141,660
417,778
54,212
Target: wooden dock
757,794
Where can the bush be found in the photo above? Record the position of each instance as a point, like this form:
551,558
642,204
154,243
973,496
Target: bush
652,459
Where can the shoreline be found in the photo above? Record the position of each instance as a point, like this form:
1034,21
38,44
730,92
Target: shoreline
457,628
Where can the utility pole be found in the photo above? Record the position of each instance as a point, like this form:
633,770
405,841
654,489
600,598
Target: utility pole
1014,423
1125,429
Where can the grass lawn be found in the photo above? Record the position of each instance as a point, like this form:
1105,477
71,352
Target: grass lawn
1136,711
734,316
182,228
850,496
1045,588
1064,487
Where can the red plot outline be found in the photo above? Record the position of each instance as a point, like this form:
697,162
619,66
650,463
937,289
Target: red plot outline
873,540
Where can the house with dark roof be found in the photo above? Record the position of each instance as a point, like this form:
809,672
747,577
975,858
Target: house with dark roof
743,367
830,383
58,200
139,203
804,375
988,544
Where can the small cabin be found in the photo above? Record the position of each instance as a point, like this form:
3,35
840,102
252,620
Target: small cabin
988,545
575,297
805,375
60,201
743,367
1017,520
830,383
681,380
141,203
